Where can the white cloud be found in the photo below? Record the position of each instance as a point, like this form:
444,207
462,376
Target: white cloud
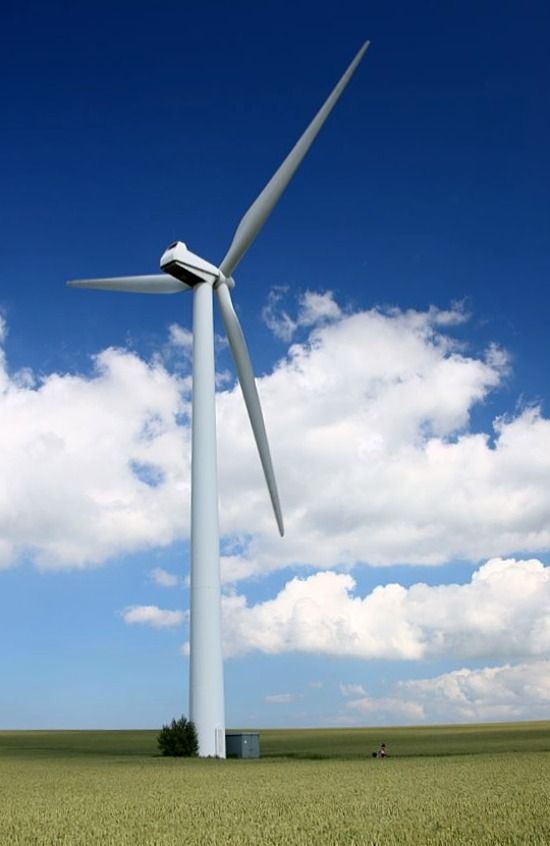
280,698
92,466
509,692
352,690
368,421
369,425
503,611
180,337
164,578
314,309
150,615
279,321
180,342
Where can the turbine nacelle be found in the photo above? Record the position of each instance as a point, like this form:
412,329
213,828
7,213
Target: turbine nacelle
178,261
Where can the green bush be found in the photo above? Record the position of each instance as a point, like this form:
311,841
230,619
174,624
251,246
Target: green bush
179,739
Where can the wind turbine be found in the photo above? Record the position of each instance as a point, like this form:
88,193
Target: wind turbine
184,271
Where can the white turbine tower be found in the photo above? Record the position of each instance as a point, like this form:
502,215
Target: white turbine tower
185,271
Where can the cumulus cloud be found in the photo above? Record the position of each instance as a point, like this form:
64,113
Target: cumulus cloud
163,577
509,692
314,309
180,338
369,422
92,466
368,417
151,615
503,611
180,343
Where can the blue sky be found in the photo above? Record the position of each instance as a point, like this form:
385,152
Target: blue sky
396,309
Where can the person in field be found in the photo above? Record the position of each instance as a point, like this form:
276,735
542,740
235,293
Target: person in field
382,753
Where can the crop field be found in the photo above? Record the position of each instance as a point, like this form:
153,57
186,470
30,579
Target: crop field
440,785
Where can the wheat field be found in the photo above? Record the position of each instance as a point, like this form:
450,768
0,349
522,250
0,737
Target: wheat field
469,785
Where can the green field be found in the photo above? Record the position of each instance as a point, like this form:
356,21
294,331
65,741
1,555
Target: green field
441,785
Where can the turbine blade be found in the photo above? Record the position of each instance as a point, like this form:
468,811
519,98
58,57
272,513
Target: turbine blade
158,284
261,208
245,373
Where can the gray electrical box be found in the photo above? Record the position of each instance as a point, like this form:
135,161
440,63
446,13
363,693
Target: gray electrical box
242,745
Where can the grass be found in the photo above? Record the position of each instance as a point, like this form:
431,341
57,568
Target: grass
404,742
441,785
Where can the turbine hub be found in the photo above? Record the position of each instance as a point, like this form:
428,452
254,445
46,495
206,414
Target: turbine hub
224,280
